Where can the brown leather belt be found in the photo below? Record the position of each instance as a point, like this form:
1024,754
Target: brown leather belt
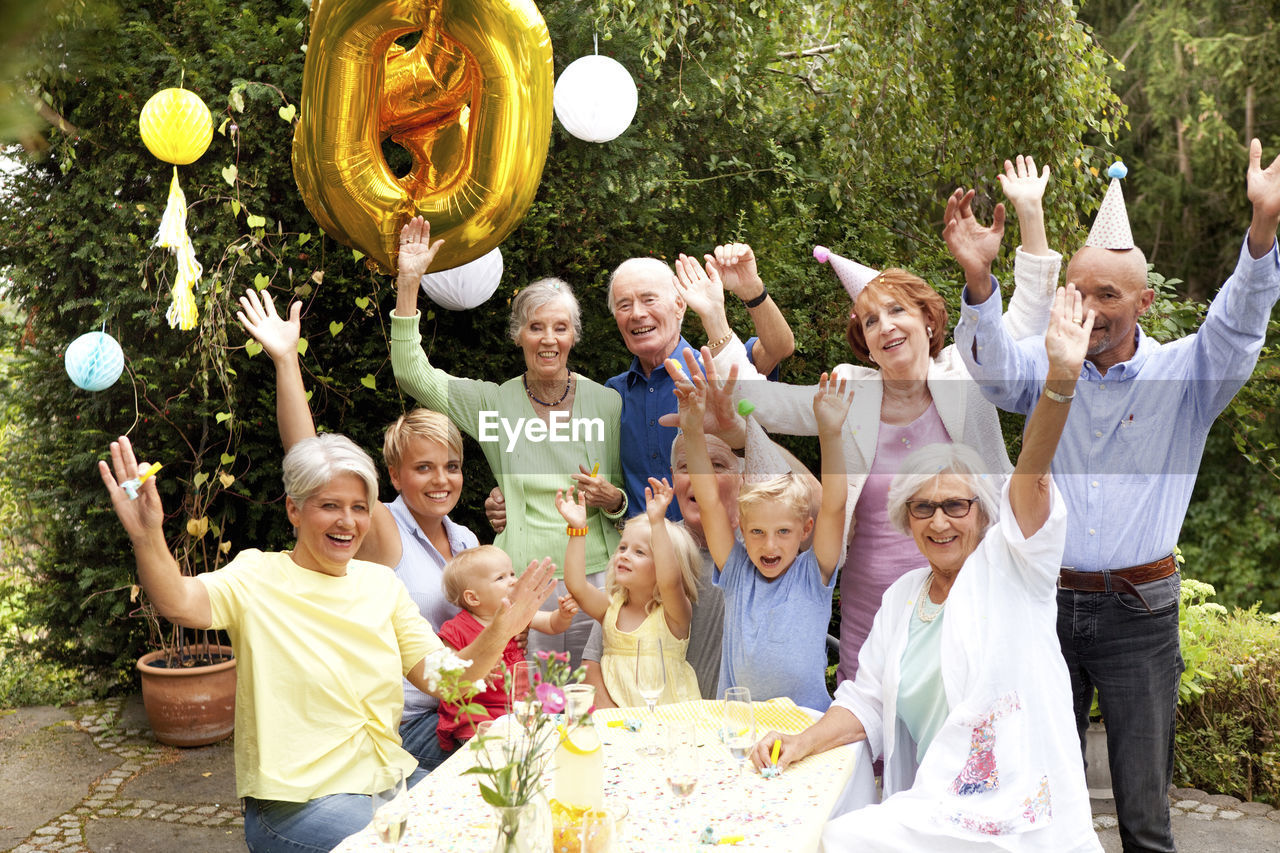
1119,580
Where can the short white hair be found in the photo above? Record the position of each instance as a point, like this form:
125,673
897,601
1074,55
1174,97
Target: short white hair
537,294
643,266
936,460
313,462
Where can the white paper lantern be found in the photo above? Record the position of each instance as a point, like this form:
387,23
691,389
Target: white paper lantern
464,287
595,98
94,361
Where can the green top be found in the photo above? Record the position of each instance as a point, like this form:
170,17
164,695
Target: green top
922,700
535,463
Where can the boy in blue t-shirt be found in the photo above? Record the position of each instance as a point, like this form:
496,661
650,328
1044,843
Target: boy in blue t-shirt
777,599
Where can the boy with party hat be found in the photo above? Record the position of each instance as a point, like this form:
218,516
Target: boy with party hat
1126,466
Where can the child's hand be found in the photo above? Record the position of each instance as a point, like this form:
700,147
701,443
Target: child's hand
691,397
563,617
1021,185
573,511
831,404
657,497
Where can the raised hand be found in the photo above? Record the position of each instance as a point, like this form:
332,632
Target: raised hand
735,263
279,336
142,517
657,497
1264,192
701,289
721,414
691,395
562,618
572,508
972,244
534,586
1067,339
1021,185
416,249
831,404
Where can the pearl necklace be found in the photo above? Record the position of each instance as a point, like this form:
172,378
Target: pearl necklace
568,383
924,596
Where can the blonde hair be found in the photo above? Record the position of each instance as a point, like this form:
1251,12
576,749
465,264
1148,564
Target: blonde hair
460,571
688,561
419,423
788,489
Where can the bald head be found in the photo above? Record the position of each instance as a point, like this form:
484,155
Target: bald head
1114,286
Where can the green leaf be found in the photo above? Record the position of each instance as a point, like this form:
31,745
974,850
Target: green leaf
260,281
357,255
255,221
252,348
222,417
335,327
287,113
199,479
369,381
227,458
491,796
304,238
230,173
235,207
362,302
302,346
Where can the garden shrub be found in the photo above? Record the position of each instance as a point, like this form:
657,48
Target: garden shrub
1229,708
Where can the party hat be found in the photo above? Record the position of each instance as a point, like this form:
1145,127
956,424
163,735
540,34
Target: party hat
761,459
1111,227
853,275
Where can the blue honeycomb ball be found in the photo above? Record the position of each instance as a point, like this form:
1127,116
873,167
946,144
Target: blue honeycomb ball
94,361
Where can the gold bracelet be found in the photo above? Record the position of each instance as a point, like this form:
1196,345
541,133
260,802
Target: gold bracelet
575,531
719,342
1058,398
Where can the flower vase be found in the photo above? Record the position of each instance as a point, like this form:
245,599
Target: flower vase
525,828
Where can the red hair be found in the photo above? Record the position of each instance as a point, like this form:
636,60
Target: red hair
908,289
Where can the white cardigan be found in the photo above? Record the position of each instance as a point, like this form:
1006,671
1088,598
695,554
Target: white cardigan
966,414
1008,690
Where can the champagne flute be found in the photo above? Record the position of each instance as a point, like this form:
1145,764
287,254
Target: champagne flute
682,762
521,701
739,726
390,806
651,681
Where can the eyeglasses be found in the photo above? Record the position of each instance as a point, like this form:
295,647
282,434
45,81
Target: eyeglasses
954,507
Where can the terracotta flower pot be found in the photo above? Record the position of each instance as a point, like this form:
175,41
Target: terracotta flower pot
189,706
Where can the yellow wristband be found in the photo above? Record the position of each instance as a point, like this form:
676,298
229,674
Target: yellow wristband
575,531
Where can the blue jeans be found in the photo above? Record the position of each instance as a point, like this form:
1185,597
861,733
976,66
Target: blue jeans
1133,658
418,737
316,826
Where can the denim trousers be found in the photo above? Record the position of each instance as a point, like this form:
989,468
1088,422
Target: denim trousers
316,826
418,737
1132,656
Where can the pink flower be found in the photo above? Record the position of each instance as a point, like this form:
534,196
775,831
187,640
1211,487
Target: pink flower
551,697
542,655
563,657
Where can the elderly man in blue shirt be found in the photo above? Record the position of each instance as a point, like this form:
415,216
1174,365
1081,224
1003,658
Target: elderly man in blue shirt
1126,466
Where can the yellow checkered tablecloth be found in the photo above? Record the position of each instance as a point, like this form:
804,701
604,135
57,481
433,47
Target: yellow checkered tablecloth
785,813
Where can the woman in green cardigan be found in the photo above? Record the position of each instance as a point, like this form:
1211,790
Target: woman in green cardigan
536,430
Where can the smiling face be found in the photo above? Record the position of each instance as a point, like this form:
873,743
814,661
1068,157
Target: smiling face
546,339
728,482
331,524
1114,285
944,541
632,560
896,334
429,477
647,309
491,580
772,535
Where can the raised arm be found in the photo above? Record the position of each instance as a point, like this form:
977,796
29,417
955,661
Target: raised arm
180,599
1264,192
831,407
1065,344
1025,191
593,600
715,517
736,265
676,606
973,245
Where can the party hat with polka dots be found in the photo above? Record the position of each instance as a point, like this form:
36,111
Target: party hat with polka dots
1111,227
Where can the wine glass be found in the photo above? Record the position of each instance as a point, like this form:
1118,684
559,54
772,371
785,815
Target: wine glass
390,805
522,703
682,761
739,725
651,681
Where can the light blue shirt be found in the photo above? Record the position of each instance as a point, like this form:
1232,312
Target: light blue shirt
1132,445
775,632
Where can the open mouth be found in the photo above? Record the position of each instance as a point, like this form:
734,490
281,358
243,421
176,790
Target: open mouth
549,354
770,562
642,330
340,539
945,540
894,344
438,496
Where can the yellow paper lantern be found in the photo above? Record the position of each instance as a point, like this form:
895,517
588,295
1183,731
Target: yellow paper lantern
176,126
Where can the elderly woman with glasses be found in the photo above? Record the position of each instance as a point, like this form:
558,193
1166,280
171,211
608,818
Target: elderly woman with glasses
536,430
961,686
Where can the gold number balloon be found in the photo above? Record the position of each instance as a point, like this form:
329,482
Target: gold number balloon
471,102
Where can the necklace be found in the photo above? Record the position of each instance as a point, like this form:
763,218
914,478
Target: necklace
924,596
568,383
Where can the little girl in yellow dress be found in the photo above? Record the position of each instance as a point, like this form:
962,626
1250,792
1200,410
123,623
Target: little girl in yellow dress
649,590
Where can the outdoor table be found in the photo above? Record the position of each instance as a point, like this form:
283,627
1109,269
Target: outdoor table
786,812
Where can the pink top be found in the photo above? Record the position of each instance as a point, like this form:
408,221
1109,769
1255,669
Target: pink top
878,555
